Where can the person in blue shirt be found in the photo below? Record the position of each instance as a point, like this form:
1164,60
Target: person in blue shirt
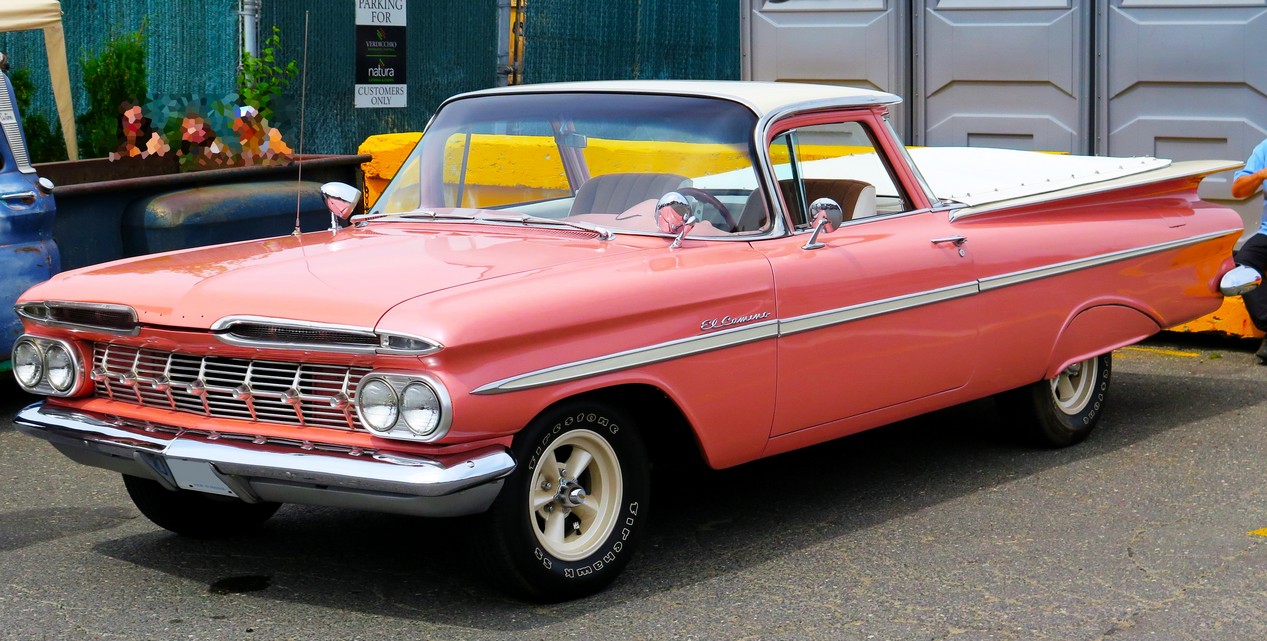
1248,180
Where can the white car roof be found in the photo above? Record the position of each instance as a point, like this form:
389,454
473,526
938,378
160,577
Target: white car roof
763,97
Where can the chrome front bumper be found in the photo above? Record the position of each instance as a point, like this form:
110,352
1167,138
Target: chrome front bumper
282,471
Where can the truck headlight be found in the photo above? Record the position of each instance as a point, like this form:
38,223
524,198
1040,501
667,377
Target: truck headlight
47,366
404,406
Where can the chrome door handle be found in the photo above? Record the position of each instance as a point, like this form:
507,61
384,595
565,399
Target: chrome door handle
19,198
957,240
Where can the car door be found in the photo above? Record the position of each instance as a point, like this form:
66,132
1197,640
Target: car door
881,314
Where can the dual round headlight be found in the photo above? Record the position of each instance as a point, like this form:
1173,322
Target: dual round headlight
28,364
45,365
403,406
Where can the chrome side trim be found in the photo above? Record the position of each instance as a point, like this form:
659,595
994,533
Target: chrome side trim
1015,278
819,320
273,470
786,327
633,358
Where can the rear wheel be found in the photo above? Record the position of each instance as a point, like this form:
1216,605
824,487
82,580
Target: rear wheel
569,516
195,514
1062,411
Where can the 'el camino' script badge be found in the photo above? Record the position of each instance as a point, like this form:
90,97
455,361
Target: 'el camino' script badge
729,321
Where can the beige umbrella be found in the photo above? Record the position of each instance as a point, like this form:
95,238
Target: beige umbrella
24,15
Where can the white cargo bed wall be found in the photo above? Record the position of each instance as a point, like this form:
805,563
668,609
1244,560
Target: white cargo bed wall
991,73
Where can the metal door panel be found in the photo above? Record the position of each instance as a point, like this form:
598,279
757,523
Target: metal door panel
1002,74
856,43
1181,80
913,331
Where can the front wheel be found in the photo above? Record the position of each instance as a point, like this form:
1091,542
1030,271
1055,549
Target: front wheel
569,516
1062,411
195,514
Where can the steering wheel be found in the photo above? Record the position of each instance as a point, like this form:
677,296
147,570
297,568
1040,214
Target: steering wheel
711,200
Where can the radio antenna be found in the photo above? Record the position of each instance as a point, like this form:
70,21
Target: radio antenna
303,99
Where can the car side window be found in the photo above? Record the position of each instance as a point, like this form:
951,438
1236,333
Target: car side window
838,161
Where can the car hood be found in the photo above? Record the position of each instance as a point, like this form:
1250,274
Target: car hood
350,278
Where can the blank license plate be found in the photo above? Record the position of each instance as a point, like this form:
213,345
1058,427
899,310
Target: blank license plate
197,476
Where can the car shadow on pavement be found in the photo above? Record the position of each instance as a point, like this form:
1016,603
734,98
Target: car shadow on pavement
12,399
711,525
23,528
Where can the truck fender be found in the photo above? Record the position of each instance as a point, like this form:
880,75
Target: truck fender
1098,330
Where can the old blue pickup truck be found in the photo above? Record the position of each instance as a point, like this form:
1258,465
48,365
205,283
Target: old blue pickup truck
28,254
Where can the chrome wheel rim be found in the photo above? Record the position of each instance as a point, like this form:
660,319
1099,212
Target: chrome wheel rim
1073,388
575,495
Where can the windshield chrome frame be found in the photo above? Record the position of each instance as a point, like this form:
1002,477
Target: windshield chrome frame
764,171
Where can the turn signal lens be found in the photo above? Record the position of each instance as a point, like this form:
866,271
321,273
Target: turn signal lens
395,343
34,311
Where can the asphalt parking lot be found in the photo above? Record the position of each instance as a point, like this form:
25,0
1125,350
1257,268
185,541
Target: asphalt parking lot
936,528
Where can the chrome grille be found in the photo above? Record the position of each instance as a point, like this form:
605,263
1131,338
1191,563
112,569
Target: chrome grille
303,394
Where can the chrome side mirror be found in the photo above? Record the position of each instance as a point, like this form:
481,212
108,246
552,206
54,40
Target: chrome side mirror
676,214
1240,280
341,200
827,218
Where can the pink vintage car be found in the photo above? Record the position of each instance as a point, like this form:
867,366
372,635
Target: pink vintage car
565,282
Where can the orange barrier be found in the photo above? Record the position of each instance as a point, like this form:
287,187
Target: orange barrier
1231,319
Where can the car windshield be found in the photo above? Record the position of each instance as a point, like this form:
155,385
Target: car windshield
590,158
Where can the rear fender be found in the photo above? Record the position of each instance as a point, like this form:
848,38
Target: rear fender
1098,330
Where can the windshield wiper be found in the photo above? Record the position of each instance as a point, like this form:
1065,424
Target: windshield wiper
416,213
602,232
